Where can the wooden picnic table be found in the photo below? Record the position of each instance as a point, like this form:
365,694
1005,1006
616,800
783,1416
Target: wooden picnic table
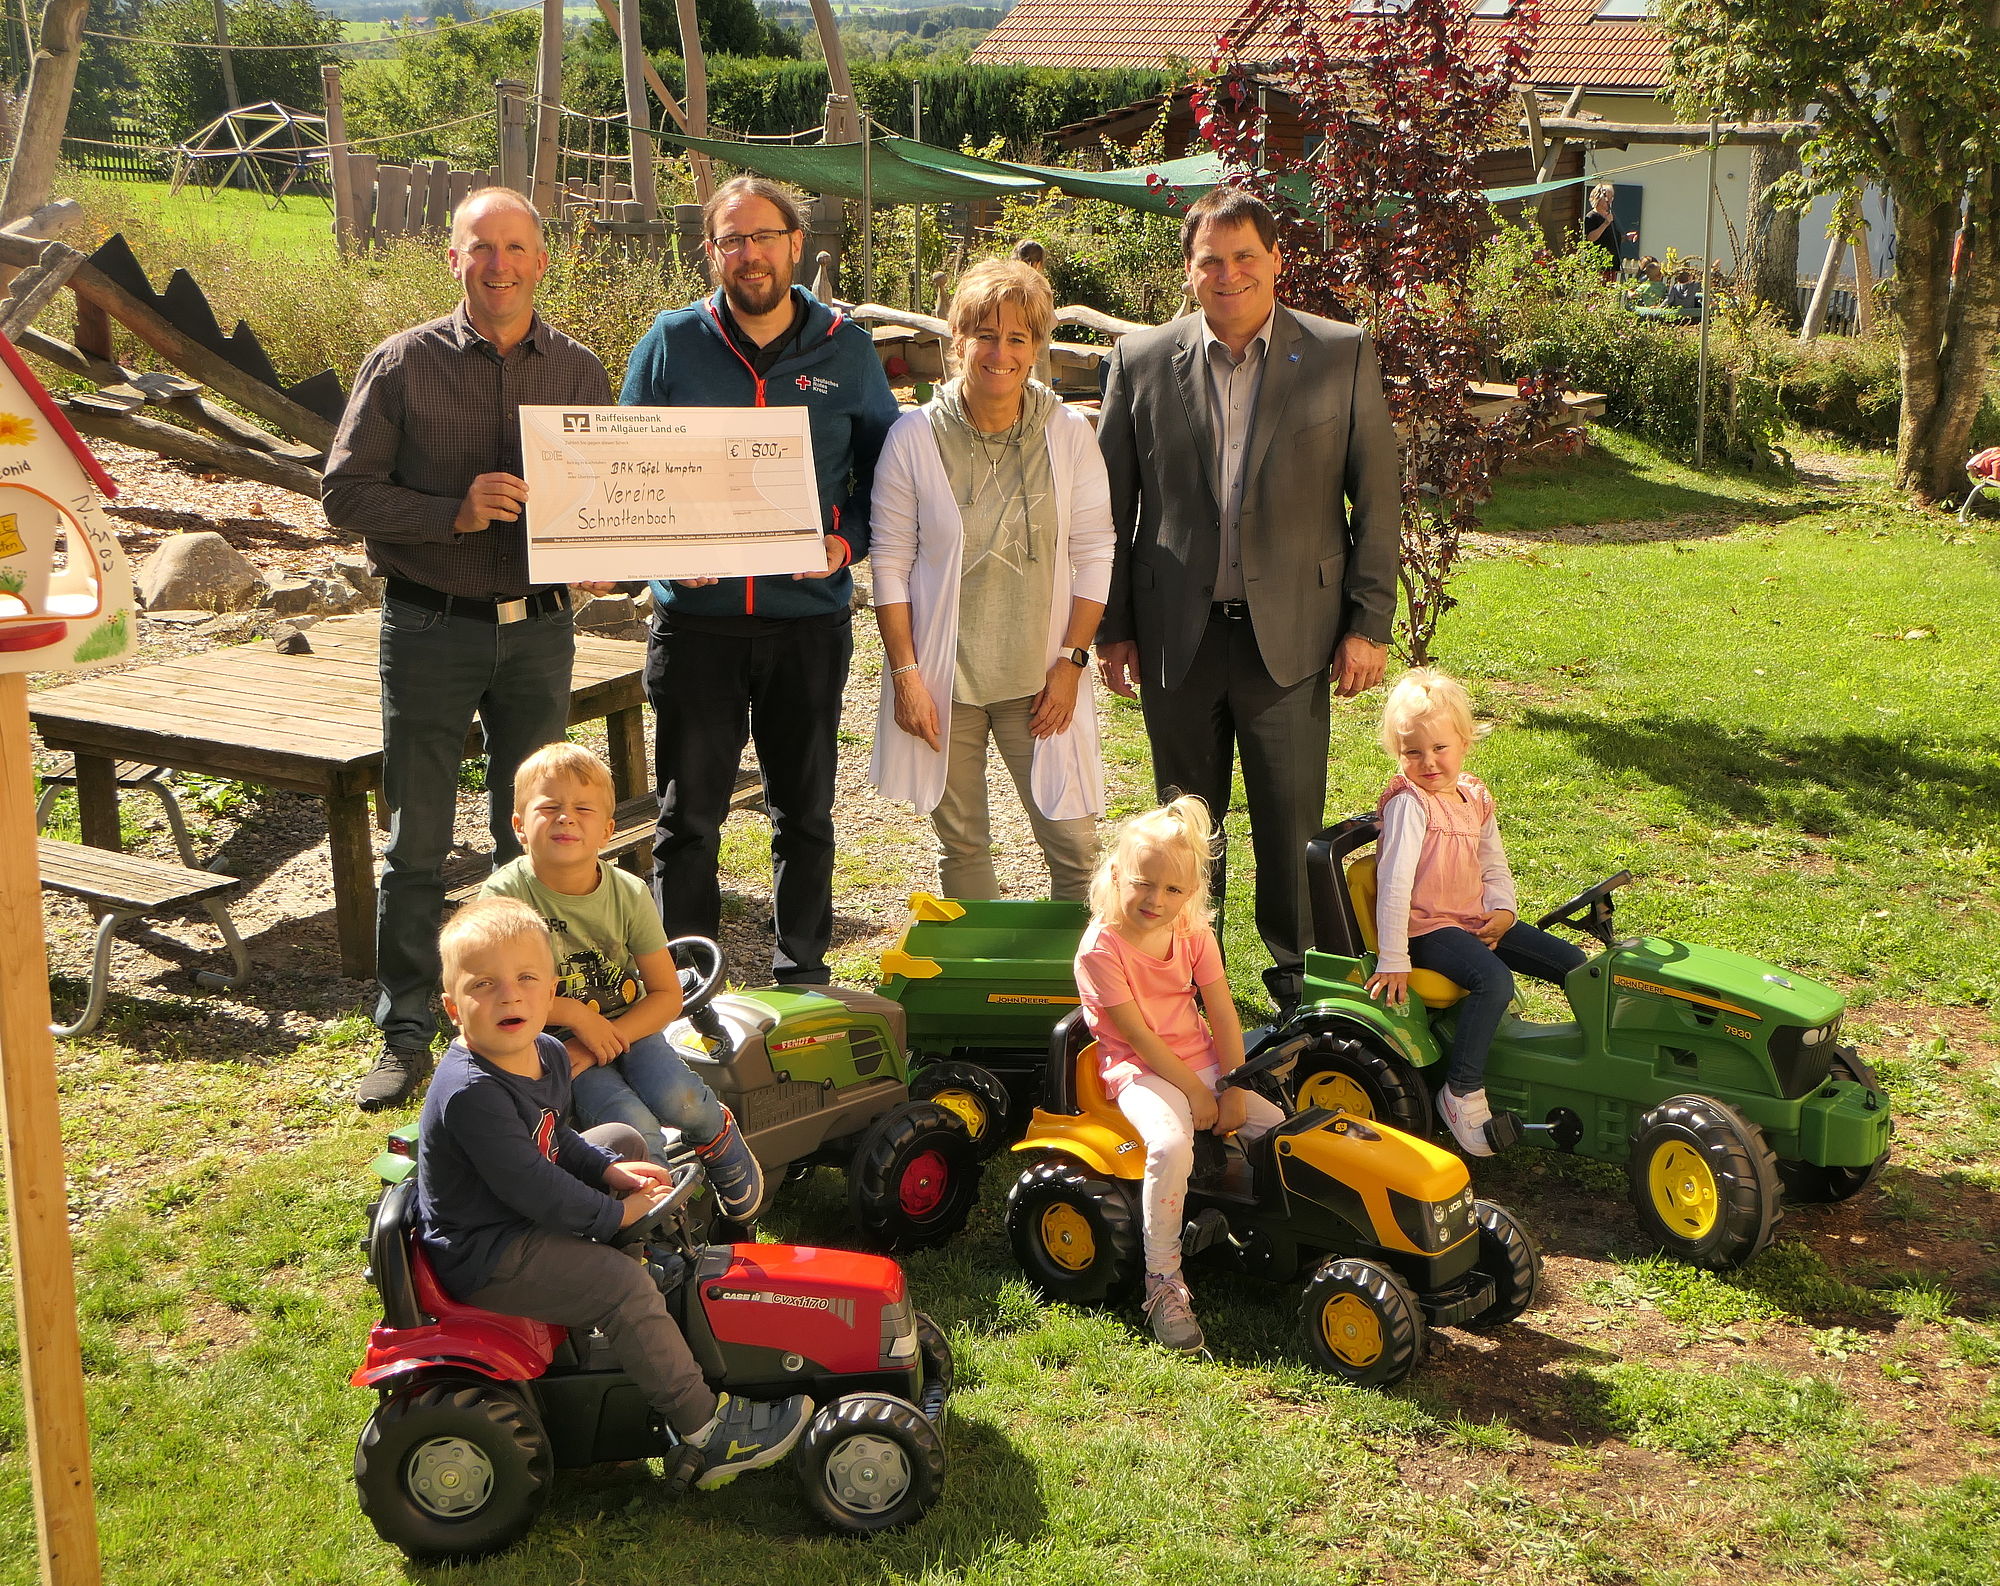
308,723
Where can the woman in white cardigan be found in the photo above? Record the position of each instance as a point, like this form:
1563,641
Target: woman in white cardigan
991,546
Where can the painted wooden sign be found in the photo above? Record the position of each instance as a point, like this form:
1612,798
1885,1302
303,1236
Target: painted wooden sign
65,590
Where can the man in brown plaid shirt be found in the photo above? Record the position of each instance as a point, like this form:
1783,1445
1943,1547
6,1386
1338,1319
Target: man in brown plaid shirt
427,468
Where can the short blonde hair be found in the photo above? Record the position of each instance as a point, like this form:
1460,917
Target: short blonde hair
1184,829
1422,694
483,924
985,288
569,760
1603,190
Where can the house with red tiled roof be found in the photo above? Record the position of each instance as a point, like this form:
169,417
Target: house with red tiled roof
1602,58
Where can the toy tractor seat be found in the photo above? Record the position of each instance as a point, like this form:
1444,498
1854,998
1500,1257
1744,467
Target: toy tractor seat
1075,1083
1430,988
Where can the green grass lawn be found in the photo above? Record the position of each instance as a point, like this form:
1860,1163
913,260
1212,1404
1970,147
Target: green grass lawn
1776,709
297,232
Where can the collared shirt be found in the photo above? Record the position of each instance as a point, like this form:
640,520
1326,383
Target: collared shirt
765,358
1233,384
434,407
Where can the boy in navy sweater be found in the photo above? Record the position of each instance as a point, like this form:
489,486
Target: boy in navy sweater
512,1204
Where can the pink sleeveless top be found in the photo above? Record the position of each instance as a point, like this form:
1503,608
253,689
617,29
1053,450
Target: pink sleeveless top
1449,885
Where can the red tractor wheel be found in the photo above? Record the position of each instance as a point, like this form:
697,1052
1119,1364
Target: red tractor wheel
915,1178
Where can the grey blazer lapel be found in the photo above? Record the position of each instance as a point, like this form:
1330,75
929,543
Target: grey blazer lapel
1190,376
1281,374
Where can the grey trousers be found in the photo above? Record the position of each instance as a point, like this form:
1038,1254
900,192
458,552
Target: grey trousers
1228,705
964,832
579,1283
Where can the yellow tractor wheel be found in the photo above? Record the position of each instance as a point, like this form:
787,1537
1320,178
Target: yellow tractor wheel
1704,1182
1362,1323
1075,1235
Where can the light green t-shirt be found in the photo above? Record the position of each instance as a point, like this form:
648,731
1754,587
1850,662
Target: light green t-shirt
599,935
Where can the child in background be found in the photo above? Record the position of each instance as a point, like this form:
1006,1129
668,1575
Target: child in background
512,1205
1146,957
1444,897
618,987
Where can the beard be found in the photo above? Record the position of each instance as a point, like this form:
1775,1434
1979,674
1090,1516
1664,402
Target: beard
758,297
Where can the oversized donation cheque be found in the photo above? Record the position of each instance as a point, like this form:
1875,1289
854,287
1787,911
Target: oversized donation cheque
638,492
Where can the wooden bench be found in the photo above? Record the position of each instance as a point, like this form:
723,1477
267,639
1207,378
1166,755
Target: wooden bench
128,774
128,887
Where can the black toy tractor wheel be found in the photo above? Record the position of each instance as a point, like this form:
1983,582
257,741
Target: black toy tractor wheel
914,1178
1362,1323
870,1462
452,1470
1355,1076
934,1350
1508,1256
972,1092
1705,1182
1808,1182
1075,1235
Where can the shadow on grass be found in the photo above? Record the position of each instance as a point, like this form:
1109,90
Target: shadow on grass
1817,782
1602,498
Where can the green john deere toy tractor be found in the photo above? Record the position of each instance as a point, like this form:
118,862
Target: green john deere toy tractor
1721,1081
820,1075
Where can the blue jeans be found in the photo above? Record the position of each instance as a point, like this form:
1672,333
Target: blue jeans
1462,957
438,673
648,1087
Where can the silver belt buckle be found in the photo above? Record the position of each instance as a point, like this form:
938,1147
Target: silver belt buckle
506,611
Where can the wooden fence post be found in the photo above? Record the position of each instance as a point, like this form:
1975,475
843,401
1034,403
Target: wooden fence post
508,94
637,111
548,109
339,178
361,171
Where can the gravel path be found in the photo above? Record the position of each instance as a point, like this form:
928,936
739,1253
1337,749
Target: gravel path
277,841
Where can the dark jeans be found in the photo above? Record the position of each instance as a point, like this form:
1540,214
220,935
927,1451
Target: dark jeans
1462,957
711,692
438,672
1229,705
579,1283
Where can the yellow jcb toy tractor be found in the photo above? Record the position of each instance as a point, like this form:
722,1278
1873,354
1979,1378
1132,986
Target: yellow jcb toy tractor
1386,1223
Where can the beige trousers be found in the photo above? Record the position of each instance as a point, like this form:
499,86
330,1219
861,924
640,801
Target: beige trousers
965,837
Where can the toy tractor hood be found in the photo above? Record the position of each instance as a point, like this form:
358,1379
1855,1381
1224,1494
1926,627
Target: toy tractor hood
1712,981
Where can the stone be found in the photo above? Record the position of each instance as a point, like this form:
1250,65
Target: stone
179,619
352,567
289,597
604,611
200,570
290,635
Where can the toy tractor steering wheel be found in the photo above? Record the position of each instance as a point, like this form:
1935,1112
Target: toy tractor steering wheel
687,1180
1259,1071
1590,910
700,963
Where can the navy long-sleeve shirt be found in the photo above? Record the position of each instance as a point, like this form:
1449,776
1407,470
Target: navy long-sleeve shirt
494,1159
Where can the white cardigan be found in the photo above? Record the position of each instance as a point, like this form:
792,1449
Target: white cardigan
916,549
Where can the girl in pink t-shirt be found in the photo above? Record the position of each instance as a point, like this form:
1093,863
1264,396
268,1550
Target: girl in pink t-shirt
1147,956
1444,897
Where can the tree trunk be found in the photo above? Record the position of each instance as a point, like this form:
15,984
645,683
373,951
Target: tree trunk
1771,248
51,81
1950,325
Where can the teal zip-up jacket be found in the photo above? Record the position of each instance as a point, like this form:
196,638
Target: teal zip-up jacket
687,360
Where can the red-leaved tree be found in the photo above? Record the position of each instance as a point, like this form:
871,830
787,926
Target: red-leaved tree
1381,221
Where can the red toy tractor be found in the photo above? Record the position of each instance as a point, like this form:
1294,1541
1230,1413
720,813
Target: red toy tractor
476,1411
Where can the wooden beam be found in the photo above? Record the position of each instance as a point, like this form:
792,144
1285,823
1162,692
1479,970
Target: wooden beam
51,82
609,10
35,287
548,113
58,214
37,1194
695,64
1622,132
182,351
212,456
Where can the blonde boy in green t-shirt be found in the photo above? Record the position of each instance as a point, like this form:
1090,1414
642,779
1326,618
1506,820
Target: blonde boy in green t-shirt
617,986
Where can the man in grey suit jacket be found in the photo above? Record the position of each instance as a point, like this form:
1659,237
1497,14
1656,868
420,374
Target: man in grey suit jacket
1257,494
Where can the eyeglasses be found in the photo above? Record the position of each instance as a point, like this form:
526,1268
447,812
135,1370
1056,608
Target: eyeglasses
733,244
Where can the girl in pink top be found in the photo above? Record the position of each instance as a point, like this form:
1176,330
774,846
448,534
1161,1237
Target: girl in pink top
1148,955
1444,897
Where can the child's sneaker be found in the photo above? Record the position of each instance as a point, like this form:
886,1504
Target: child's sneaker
733,1172
1467,1117
747,1434
1169,1310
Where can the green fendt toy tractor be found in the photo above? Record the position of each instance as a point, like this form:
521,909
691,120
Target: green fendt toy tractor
1384,1224
1721,1081
820,1075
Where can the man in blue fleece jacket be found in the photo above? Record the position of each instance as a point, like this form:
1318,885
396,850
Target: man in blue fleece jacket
763,658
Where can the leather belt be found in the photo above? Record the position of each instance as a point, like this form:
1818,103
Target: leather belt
1230,610
478,608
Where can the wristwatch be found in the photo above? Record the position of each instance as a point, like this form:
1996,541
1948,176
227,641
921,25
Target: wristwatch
1077,658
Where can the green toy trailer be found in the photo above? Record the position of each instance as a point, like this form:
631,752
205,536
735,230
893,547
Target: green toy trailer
1719,1080
981,984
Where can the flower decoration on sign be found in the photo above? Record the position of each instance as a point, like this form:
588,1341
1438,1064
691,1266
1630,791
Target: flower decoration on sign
16,430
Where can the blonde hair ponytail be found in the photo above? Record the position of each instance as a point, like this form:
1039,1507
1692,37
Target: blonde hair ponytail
1184,829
